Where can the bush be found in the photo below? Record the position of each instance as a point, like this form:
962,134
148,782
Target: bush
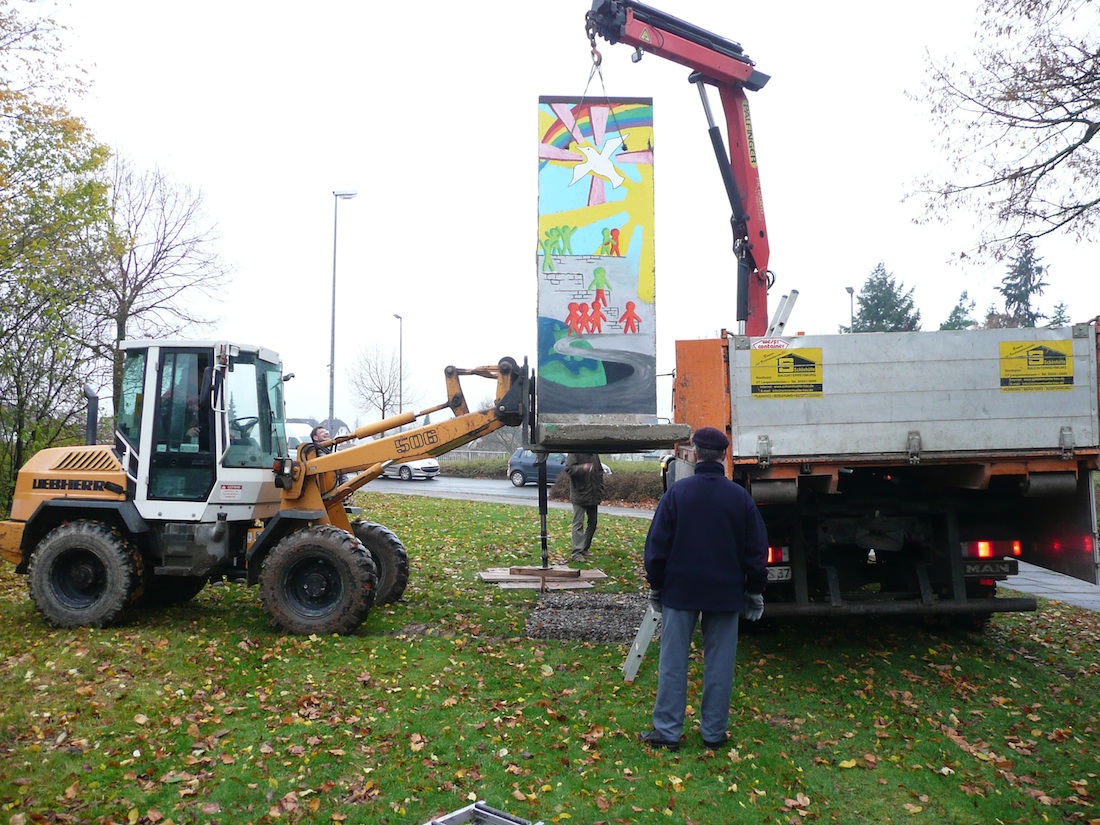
627,487
475,468
632,482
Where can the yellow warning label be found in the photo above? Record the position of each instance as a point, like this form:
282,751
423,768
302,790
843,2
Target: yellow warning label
1036,366
786,373
646,36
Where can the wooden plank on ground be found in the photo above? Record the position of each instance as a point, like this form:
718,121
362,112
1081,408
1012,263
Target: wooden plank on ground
553,572
551,584
495,575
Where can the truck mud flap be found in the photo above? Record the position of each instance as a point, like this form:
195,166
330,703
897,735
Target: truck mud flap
780,610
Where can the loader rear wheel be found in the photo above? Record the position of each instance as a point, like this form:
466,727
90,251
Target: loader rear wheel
320,580
83,574
390,559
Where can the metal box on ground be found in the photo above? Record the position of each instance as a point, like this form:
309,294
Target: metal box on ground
480,813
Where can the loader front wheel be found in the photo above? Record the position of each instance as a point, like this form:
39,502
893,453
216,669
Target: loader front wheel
390,559
319,579
83,574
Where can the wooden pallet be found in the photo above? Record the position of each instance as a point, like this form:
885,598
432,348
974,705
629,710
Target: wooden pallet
555,577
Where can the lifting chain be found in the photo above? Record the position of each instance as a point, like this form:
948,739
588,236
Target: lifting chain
590,30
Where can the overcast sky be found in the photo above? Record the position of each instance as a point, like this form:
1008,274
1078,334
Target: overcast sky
428,110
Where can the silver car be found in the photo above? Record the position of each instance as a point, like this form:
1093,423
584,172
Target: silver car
408,470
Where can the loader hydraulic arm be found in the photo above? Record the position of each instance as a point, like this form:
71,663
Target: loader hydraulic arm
312,481
722,63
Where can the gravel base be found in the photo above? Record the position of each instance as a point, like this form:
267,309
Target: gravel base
602,618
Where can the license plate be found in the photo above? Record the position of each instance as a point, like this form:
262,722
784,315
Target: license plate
1001,567
779,574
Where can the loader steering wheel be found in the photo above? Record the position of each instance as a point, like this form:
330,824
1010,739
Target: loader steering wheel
245,424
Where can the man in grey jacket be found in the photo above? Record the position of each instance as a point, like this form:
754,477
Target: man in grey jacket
585,473
706,556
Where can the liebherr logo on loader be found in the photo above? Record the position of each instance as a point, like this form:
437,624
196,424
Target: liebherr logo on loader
83,485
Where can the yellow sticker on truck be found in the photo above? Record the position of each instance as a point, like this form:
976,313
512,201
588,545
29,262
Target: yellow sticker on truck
786,373
1036,366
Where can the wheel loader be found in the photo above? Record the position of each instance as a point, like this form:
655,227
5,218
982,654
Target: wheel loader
199,484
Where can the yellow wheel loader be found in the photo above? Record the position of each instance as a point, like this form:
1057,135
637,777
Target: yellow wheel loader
199,484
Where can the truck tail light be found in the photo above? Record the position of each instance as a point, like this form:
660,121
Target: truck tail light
1071,544
991,549
778,555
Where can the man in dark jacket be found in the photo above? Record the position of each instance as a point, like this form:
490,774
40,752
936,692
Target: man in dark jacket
706,554
585,472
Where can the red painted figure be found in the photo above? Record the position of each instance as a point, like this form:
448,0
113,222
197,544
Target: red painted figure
630,318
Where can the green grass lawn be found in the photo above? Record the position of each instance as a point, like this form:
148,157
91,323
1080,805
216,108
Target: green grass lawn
203,713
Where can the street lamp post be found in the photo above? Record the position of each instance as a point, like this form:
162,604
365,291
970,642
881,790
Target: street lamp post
400,363
337,196
851,308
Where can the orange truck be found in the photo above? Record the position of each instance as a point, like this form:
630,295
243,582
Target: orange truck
898,473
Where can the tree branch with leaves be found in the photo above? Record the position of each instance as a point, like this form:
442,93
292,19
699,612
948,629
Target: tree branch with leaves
1019,127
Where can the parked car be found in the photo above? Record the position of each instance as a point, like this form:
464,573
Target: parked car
296,433
408,470
522,469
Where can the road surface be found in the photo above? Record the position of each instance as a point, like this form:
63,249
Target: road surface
500,491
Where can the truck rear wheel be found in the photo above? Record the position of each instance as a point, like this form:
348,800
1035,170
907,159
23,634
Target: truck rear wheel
390,559
318,580
83,574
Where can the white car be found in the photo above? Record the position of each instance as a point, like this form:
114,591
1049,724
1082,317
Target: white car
296,433
408,470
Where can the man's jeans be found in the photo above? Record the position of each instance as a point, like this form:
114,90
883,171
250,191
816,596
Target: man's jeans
719,659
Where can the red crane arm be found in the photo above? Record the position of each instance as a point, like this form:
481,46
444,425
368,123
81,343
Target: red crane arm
722,63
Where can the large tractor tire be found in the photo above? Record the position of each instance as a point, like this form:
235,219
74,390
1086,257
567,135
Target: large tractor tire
390,559
84,574
319,580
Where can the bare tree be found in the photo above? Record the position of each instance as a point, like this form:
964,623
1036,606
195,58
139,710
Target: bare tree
375,380
504,440
1019,128
156,248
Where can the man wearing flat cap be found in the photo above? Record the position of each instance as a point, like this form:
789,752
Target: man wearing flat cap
705,557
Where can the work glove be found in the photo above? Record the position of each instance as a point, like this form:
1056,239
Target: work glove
655,600
754,606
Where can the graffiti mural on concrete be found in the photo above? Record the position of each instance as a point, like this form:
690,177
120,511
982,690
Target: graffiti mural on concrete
596,337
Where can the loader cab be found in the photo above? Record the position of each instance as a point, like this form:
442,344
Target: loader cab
201,422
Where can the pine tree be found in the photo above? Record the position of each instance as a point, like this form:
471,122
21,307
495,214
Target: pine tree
884,307
960,315
1022,284
1060,318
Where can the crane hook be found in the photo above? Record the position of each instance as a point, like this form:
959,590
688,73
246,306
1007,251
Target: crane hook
590,30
